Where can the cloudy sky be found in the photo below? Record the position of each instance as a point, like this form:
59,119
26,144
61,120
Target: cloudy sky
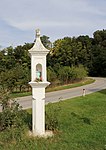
55,18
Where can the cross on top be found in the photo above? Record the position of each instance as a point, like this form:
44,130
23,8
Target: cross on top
37,33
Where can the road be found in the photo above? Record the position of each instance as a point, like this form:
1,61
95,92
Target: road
99,84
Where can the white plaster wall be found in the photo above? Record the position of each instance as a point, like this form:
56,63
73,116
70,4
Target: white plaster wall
38,93
38,107
38,116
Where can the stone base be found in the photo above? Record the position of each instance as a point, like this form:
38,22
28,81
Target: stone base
46,135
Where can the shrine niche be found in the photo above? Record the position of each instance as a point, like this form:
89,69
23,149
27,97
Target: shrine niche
38,73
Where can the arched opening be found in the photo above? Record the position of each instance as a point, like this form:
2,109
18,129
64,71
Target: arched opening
38,72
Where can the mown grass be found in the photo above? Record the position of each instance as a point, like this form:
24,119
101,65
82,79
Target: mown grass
82,126
50,89
20,94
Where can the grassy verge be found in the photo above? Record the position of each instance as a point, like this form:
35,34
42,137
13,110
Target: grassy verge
73,85
63,87
18,94
82,126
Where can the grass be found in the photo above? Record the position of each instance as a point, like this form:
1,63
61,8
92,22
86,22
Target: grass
50,89
82,126
73,85
20,94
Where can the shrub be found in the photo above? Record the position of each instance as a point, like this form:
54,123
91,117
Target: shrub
79,72
12,115
51,75
52,117
69,74
65,74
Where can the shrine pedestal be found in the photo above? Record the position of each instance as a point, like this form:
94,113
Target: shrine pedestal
38,107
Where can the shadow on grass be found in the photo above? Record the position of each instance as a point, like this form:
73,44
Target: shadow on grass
103,91
98,90
84,119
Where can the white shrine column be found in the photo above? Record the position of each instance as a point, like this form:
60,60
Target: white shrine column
39,83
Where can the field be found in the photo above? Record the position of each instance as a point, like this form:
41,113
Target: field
82,126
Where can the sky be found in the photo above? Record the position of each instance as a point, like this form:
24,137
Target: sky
55,18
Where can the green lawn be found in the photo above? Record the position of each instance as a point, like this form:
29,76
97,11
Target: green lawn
82,126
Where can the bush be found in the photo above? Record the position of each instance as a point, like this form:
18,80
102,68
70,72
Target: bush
69,74
12,115
79,72
51,75
52,117
65,74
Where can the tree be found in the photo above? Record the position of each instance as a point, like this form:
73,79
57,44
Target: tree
65,74
67,52
22,56
46,42
8,59
62,52
2,60
85,56
23,77
99,54
51,76
8,80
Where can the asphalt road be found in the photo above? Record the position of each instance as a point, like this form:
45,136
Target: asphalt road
56,96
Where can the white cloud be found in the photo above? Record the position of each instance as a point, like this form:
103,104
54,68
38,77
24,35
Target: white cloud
59,17
32,24
24,14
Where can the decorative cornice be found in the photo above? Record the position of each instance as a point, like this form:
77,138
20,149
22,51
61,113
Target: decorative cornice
39,84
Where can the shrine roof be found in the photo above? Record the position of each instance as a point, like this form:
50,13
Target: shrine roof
38,46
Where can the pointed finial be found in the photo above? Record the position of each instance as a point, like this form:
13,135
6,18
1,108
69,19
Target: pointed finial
37,33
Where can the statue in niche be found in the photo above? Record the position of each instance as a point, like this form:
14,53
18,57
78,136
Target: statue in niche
38,76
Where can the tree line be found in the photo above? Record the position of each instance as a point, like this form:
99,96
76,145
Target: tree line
83,50
70,59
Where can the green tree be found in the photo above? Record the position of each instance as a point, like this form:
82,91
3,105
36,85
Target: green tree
23,77
65,74
51,75
46,42
22,56
62,52
8,59
2,60
69,74
79,73
8,80
99,54
67,52
85,55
